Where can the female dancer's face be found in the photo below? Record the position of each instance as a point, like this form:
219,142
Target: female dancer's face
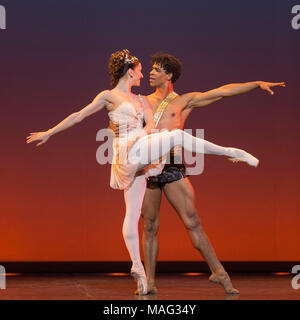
136,75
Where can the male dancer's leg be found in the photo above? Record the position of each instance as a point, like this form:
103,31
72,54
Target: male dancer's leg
150,214
180,194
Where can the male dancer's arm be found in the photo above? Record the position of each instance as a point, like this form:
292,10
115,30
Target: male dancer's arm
201,99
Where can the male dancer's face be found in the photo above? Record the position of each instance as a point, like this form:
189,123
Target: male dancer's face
158,76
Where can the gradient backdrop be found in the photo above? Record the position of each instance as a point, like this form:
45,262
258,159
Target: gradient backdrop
56,203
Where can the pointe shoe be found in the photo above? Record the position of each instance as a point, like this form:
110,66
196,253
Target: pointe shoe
224,280
151,289
237,155
140,277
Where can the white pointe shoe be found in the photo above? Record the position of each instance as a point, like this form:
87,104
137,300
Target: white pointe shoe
138,273
236,155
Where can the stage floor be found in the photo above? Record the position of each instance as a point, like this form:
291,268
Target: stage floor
99,286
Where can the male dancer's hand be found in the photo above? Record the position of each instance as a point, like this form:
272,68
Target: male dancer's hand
117,129
267,85
43,136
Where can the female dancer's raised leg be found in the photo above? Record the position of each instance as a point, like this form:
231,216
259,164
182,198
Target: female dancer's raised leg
134,196
150,148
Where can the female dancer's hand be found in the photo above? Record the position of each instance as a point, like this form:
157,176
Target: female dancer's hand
267,85
43,136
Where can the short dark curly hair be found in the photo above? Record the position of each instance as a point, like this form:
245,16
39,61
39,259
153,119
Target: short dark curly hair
169,63
119,63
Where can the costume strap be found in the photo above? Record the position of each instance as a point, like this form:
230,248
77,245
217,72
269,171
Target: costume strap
161,108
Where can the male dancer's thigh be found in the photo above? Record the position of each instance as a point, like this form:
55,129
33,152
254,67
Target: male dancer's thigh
151,205
180,194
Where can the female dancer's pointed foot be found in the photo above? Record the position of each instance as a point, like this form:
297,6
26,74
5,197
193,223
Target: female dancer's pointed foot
236,155
224,280
151,289
138,273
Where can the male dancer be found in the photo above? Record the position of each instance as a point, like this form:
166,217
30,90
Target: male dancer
176,186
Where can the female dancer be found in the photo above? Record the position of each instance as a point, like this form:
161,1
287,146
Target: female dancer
133,160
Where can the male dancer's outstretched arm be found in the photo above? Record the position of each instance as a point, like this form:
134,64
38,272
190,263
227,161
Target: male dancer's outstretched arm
201,99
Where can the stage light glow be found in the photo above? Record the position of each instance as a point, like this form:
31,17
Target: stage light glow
194,274
281,273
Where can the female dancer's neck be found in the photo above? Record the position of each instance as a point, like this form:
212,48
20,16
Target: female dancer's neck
124,86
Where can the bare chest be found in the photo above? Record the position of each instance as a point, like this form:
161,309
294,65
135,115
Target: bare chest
171,117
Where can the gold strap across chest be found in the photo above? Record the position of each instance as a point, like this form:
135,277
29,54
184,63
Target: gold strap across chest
161,108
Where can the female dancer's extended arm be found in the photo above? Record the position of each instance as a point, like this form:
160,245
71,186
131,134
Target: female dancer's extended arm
96,105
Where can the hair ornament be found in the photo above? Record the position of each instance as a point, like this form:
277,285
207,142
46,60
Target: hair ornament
125,54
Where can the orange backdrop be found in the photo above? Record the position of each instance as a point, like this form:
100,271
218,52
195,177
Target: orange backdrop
56,203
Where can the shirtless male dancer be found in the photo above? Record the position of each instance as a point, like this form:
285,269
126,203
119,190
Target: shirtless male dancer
176,186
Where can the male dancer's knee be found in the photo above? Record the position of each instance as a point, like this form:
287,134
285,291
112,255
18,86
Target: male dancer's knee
150,227
192,221
194,227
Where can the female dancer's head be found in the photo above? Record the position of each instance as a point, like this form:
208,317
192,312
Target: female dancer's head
123,66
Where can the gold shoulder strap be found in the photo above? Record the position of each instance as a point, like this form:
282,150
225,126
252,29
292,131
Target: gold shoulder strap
161,108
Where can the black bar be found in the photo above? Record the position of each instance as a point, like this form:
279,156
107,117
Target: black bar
162,266
178,309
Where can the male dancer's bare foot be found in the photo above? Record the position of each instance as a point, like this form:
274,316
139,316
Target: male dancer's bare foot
152,288
223,279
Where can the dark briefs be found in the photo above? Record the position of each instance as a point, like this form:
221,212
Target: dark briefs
171,172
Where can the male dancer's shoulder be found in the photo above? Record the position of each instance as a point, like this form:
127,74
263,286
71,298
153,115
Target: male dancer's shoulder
185,100
181,102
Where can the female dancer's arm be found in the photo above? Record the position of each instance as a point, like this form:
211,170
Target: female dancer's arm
96,105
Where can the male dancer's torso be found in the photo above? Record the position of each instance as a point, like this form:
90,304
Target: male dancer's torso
175,114
173,117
